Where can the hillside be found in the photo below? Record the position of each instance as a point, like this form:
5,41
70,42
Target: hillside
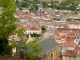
76,1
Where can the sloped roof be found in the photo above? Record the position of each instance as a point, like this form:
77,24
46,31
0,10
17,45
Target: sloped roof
73,22
27,27
48,45
69,44
70,53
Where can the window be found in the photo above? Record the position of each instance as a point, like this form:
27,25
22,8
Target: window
40,9
77,37
51,56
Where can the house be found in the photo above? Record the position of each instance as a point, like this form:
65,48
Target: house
70,42
72,54
68,32
71,46
46,18
61,24
25,10
74,25
35,29
30,29
58,39
50,49
69,55
62,31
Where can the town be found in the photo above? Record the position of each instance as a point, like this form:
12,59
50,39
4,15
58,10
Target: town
57,30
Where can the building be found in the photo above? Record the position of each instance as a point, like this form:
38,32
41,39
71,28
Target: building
50,49
74,25
61,24
40,7
70,44
73,54
30,29
69,55
43,11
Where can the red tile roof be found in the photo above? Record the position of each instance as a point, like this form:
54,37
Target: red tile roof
63,30
21,13
77,34
77,48
73,22
27,27
70,53
70,38
68,44
73,32
47,16
63,36
34,28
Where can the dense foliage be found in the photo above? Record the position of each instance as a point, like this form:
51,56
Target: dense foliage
65,4
28,49
68,4
7,24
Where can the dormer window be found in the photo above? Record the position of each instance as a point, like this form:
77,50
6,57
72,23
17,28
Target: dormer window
77,37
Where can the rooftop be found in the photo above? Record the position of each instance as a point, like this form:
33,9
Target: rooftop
70,53
48,45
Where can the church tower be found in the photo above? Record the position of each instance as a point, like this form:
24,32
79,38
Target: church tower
40,7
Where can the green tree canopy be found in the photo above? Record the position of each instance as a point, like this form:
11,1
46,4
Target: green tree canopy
68,4
30,49
7,24
7,19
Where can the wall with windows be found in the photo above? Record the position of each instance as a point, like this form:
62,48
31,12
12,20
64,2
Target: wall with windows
54,54
68,58
76,26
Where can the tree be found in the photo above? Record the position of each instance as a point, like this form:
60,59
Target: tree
45,4
75,12
7,24
52,4
28,50
33,49
23,5
17,1
68,4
